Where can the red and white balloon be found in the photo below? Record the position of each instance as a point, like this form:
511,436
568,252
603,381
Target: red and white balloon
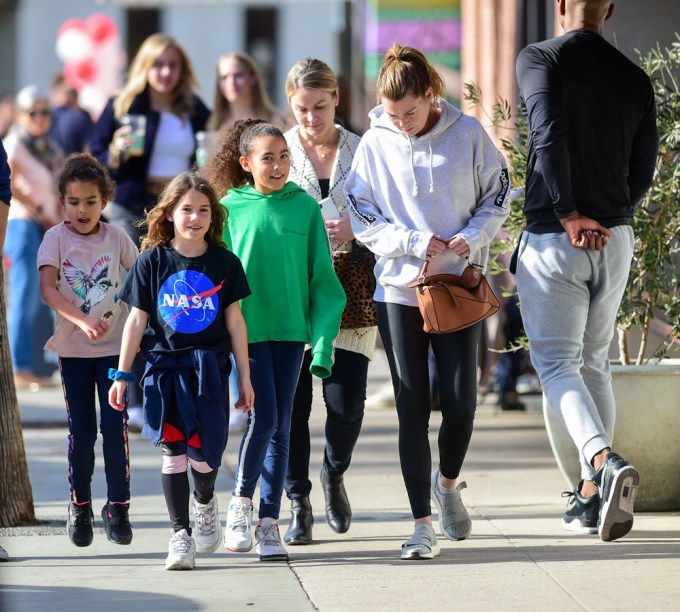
93,58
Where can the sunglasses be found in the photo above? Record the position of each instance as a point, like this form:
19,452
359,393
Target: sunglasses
39,113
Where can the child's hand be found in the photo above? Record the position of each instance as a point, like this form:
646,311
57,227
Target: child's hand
117,395
246,396
94,328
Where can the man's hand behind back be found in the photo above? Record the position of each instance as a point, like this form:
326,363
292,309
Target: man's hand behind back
585,233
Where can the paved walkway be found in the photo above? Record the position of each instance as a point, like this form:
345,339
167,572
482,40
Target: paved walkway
518,557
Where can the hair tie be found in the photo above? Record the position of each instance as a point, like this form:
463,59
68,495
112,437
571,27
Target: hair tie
119,375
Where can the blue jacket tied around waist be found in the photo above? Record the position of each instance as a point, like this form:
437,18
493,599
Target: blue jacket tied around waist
197,383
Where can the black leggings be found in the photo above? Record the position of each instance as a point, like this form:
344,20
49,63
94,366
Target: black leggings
406,346
344,393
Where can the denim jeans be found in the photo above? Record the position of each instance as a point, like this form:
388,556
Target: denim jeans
21,246
344,393
80,376
406,347
274,370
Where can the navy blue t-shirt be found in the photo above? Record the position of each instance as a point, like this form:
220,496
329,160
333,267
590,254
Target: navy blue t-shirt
185,297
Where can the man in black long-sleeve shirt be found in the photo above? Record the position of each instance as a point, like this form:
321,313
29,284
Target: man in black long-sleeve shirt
592,149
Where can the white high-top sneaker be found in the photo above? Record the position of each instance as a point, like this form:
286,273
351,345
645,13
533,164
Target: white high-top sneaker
269,545
238,536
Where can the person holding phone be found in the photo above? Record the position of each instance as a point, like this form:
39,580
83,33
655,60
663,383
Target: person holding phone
321,154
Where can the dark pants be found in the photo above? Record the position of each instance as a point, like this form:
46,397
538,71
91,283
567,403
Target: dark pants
510,365
344,393
406,346
80,376
274,370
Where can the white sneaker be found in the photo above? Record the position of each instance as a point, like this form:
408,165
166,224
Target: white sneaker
238,536
207,527
269,545
181,551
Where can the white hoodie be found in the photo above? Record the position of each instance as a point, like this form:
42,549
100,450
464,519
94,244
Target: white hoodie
401,191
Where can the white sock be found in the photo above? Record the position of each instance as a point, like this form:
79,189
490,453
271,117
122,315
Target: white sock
267,521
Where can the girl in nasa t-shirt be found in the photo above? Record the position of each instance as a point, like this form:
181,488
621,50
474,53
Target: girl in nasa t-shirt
184,293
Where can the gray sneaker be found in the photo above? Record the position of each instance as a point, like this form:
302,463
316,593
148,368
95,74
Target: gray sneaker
422,545
617,482
207,528
454,521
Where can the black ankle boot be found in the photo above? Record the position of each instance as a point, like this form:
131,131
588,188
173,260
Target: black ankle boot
299,531
338,510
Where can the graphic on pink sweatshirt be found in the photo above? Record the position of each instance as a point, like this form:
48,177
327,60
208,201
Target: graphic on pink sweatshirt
91,286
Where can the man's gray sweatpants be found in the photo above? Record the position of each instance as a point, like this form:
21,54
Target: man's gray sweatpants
569,298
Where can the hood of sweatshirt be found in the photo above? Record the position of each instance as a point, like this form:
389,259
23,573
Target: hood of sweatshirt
248,192
449,115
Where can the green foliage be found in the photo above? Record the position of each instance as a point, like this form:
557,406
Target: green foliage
652,289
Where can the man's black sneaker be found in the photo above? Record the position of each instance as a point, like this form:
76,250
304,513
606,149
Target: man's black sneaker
617,482
117,523
79,524
584,512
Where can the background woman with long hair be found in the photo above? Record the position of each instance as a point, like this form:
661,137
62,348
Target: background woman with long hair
160,88
240,93
321,156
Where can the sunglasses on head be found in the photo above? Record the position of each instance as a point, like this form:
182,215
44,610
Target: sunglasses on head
39,113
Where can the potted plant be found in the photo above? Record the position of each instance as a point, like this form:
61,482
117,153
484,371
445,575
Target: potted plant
647,385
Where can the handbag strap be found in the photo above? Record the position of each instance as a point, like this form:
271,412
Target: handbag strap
423,271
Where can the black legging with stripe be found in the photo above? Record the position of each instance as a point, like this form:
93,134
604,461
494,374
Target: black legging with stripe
407,346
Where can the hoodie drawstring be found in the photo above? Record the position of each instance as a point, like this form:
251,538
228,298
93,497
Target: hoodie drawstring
413,170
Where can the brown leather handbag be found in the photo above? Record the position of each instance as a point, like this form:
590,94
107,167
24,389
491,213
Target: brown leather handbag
449,303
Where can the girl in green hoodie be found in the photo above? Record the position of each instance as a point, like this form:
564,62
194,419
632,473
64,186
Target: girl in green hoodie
277,231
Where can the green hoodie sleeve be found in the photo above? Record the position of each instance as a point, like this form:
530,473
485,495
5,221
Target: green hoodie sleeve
326,296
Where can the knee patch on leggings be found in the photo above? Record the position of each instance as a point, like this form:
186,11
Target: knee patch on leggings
200,466
174,464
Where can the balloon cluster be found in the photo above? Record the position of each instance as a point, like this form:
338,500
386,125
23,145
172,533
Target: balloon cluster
93,58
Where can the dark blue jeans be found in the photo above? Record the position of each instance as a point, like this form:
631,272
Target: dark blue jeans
407,346
80,377
344,393
274,370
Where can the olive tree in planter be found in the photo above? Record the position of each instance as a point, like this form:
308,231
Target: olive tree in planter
647,386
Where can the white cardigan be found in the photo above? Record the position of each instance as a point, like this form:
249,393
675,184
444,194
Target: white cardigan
302,172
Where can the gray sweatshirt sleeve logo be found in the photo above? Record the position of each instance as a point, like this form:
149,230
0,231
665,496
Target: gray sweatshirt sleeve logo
365,219
505,186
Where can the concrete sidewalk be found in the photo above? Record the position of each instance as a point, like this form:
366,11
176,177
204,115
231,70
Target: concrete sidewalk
517,558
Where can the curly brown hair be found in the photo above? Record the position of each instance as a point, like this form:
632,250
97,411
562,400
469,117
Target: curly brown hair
224,170
84,168
162,231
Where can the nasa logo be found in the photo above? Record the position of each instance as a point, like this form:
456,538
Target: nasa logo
188,301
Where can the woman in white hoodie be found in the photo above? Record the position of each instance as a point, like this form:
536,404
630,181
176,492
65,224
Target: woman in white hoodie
426,183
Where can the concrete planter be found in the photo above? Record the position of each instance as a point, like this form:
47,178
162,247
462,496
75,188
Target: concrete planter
647,432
